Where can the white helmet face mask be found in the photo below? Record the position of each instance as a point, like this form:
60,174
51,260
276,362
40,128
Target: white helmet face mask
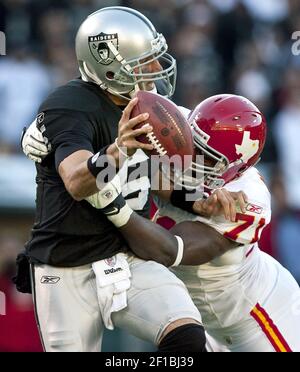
117,48
210,176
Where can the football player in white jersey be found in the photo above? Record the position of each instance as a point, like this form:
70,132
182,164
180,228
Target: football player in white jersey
248,301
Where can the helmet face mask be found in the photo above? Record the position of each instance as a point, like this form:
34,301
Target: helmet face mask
211,174
119,49
139,68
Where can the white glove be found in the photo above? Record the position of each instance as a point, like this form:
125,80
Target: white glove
33,144
111,202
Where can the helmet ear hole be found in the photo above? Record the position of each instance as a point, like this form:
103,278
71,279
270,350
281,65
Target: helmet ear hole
110,75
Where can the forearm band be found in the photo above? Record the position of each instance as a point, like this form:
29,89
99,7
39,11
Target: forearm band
95,166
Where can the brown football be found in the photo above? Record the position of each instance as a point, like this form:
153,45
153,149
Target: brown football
171,134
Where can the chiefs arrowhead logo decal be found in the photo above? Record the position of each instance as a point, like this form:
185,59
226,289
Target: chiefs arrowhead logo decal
248,147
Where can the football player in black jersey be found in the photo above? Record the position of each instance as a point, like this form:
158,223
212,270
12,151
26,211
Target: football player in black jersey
81,264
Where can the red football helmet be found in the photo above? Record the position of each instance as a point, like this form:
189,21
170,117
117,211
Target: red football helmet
230,132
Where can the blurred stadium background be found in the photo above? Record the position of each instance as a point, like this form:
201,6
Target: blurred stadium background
232,46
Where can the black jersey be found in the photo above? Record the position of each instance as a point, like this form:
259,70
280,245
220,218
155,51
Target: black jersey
67,233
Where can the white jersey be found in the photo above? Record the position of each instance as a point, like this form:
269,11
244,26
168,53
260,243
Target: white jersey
247,300
237,265
246,231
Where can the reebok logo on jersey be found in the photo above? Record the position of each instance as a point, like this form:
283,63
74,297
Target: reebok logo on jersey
50,279
254,209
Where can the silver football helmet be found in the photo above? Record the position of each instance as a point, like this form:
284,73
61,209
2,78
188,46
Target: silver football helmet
115,47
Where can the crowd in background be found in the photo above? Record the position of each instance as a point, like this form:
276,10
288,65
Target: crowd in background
222,46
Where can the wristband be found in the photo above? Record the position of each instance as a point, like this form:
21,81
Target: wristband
92,165
111,203
180,251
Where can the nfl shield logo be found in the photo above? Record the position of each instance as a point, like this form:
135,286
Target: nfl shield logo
99,47
108,194
111,261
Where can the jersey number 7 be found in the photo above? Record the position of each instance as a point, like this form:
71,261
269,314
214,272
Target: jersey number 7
248,222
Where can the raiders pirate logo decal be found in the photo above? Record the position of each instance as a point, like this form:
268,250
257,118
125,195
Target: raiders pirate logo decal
101,47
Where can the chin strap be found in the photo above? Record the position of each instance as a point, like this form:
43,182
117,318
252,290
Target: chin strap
88,75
